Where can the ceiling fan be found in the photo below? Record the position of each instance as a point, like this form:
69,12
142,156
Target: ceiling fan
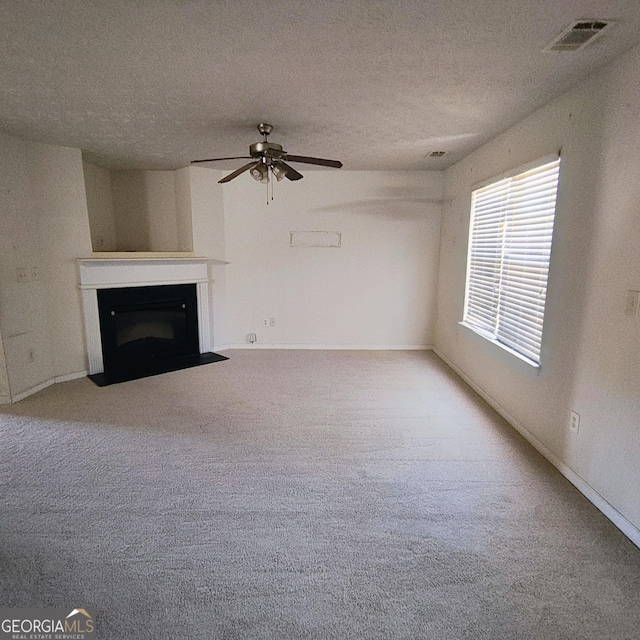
268,158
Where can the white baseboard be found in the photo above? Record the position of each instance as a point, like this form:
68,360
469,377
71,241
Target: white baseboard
627,527
29,392
336,347
220,347
71,376
47,383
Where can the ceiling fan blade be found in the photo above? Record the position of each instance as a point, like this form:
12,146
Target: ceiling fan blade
216,159
237,172
336,164
289,172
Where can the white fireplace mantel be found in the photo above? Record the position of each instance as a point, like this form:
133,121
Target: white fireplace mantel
113,271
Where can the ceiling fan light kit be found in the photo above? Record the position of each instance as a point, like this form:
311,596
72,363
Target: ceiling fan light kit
269,162
279,171
259,172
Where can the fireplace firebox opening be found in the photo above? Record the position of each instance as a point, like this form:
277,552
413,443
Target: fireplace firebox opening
141,326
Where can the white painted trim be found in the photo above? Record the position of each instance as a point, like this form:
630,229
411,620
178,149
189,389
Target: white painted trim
140,283
204,326
71,376
336,347
92,330
47,383
29,392
627,527
150,255
221,347
109,274
140,255
121,273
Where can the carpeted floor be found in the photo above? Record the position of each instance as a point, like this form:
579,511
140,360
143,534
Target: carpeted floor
301,494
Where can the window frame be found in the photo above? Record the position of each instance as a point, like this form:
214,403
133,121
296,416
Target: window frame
478,330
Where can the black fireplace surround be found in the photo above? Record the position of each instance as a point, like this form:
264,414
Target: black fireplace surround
148,330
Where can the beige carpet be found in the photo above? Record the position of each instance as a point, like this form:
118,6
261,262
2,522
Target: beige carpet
301,494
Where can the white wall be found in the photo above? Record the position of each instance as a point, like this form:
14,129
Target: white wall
57,185
590,351
378,289
97,182
160,196
208,239
151,210
183,209
130,211
23,308
44,228
607,385
145,212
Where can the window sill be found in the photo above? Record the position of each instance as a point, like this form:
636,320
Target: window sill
529,366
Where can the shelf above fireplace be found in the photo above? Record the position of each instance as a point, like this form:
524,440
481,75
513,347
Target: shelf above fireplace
149,255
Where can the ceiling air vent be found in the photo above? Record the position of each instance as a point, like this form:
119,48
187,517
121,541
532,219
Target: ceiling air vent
578,35
436,154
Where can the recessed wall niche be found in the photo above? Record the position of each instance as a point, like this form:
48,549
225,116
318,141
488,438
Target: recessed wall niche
134,210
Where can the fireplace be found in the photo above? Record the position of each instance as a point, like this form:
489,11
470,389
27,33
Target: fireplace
145,315
143,326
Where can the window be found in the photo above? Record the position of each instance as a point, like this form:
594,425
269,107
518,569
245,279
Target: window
509,249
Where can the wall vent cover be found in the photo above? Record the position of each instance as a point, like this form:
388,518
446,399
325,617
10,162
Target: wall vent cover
578,35
315,239
437,154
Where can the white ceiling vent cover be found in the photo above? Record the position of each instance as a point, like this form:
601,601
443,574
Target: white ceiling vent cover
578,35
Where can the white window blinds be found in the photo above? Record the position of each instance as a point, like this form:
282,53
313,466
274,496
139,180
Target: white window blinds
508,262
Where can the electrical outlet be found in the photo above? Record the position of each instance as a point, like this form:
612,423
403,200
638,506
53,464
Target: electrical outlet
265,322
272,322
633,301
574,422
22,275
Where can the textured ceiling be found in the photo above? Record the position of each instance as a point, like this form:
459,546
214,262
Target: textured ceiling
377,84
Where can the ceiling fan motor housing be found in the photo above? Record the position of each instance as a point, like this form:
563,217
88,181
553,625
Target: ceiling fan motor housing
266,149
